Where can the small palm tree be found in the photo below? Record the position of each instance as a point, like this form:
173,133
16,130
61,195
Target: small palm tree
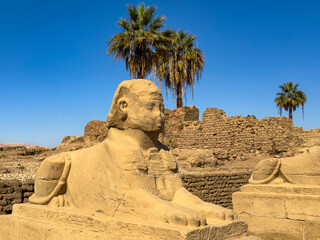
290,98
140,38
180,64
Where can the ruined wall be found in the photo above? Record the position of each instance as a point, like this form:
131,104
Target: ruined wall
95,131
175,121
215,188
13,191
306,135
231,136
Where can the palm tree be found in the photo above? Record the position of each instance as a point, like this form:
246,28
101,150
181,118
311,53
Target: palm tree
290,98
180,64
140,38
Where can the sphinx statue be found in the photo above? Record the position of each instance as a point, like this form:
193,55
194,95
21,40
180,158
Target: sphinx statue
130,174
304,168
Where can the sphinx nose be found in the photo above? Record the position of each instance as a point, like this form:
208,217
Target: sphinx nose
160,117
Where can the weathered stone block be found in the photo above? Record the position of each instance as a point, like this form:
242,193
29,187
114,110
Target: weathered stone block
28,187
269,206
18,200
274,228
12,196
311,229
27,194
285,211
3,202
3,190
5,226
7,208
303,207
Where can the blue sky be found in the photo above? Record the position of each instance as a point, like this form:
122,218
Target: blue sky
55,75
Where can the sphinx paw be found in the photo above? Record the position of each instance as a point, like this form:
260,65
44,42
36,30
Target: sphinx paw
213,211
185,217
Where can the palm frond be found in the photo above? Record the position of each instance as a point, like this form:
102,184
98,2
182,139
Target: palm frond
140,39
182,63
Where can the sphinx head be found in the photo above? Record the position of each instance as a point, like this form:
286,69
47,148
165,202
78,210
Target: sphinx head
137,104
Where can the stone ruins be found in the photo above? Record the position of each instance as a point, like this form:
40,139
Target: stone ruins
125,187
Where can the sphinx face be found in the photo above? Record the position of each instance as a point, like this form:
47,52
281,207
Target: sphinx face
146,113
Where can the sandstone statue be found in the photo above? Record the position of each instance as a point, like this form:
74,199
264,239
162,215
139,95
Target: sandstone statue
303,168
130,174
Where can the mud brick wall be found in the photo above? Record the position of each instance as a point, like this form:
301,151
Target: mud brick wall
175,121
308,134
215,188
229,136
238,134
12,191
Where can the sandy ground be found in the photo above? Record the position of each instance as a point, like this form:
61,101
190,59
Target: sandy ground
21,161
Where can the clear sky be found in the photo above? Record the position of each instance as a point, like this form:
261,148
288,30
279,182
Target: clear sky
55,75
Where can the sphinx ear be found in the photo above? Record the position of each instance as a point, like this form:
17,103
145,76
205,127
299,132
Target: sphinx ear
123,106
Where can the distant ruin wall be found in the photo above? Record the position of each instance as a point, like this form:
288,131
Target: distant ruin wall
211,187
228,136
308,134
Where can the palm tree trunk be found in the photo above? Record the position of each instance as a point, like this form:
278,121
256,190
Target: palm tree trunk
140,72
290,113
140,76
179,95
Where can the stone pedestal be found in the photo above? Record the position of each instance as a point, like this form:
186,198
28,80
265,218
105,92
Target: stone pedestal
284,211
36,222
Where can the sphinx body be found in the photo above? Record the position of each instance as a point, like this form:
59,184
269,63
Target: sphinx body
128,174
303,168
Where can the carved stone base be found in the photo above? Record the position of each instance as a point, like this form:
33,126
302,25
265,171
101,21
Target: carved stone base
285,211
35,222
